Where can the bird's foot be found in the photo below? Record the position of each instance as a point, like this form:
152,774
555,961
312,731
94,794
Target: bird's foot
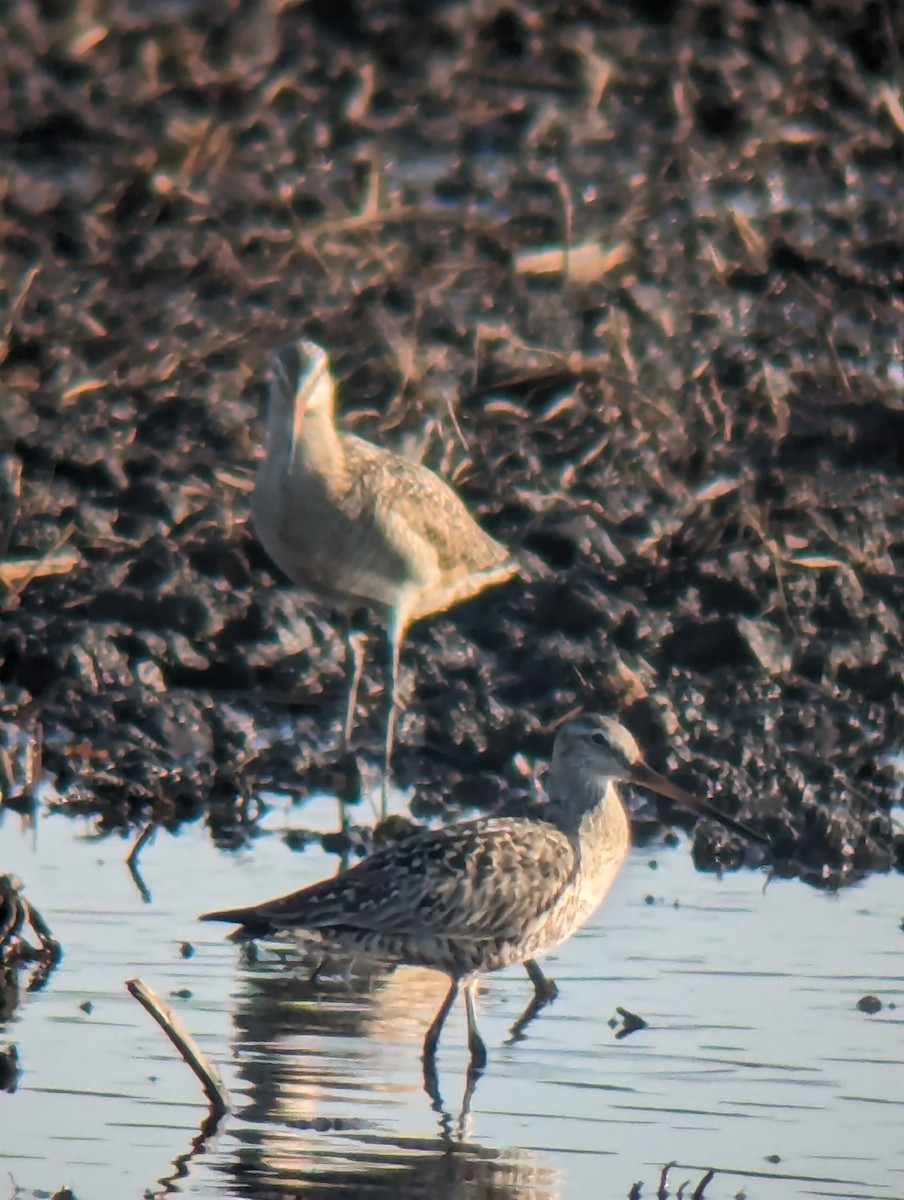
545,992
545,989
538,1003
478,1053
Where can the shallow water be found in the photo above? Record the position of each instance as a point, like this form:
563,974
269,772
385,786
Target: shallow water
756,1061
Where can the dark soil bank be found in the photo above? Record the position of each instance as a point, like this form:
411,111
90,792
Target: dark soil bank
630,275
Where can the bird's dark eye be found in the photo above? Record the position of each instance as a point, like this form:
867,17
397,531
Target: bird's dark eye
598,738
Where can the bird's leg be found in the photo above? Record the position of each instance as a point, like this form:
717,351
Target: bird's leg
395,632
545,988
463,1121
431,1041
314,977
354,668
475,1041
431,1087
354,662
545,991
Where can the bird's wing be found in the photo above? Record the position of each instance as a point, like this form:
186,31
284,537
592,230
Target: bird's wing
478,879
412,503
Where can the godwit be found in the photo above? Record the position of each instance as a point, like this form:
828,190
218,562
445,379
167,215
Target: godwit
477,895
356,524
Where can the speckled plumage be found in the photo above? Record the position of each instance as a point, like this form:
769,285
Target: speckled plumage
355,523
476,895
481,894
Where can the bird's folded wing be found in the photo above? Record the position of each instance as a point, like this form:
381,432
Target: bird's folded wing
488,878
414,504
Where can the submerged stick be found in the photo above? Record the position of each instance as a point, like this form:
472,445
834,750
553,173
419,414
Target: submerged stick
211,1081
132,860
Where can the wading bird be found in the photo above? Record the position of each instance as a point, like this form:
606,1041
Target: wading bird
481,894
356,524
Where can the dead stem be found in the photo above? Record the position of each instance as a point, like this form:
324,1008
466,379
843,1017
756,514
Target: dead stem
211,1081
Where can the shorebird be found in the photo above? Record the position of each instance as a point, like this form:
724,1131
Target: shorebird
354,523
480,894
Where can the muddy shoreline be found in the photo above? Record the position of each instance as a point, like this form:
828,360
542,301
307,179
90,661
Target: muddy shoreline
629,275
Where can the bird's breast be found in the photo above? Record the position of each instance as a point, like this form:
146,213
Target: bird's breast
321,532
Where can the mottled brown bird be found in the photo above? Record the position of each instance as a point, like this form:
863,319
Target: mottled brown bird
481,894
356,524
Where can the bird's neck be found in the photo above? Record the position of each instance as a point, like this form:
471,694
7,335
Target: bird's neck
307,443
593,815
580,799
607,820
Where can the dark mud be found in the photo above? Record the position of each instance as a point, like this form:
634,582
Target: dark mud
700,429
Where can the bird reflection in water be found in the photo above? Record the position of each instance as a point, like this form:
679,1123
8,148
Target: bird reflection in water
316,1055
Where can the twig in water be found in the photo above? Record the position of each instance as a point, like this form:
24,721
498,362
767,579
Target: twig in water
663,1192
701,1186
17,914
132,861
212,1083
631,1022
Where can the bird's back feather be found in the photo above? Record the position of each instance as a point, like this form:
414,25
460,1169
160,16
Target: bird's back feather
491,878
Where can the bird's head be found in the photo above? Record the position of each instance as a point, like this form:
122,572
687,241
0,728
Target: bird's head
595,746
301,385
594,751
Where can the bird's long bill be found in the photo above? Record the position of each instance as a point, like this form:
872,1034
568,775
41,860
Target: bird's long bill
301,372
645,776
298,409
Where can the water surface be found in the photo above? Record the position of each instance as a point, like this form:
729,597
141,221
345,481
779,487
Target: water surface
756,1061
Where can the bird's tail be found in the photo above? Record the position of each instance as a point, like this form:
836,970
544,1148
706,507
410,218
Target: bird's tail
252,924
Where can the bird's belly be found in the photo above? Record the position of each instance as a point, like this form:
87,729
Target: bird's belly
455,956
338,555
